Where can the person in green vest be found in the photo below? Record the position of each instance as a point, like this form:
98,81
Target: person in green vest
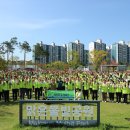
14,86
95,87
104,90
70,84
66,84
111,91
118,91
125,92
6,91
85,89
37,85
29,86
21,87
78,84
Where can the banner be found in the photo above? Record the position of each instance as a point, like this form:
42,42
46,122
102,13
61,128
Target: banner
60,94
59,112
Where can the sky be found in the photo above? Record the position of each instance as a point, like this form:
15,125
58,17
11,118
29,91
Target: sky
64,21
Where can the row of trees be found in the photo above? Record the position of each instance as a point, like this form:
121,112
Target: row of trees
8,47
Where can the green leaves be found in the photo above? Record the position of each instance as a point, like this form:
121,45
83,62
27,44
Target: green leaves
96,57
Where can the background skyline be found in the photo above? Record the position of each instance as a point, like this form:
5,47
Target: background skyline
63,21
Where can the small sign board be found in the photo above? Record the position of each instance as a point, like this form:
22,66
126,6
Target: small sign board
60,94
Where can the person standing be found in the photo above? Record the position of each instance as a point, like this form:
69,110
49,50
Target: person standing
6,91
118,92
95,87
125,92
104,90
79,94
14,85
22,90
60,84
37,89
29,88
85,89
111,91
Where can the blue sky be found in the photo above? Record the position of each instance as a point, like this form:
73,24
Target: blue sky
62,21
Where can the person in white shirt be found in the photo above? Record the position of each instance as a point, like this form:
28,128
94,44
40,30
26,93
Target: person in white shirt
79,95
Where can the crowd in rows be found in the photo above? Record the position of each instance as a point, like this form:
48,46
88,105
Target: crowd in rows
23,84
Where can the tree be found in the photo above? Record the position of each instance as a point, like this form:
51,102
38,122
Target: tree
26,48
2,50
13,42
3,64
39,52
9,47
15,60
73,59
97,57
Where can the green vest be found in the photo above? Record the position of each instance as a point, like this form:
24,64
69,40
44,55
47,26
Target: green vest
118,89
37,84
66,86
111,89
95,86
125,90
47,85
14,85
78,84
5,86
86,86
29,84
1,87
70,86
21,84
104,88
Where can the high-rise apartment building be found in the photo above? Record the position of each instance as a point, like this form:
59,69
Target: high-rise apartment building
55,53
108,57
119,52
128,53
75,47
97,45
86,57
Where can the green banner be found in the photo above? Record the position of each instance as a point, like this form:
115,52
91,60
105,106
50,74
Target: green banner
60,94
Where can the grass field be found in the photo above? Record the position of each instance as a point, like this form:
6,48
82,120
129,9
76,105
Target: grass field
113,116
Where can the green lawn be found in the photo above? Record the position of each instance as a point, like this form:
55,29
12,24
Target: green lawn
113,116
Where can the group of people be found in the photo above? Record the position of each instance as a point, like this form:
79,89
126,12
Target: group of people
23,84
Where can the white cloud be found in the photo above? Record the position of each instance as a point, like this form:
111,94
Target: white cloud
38,25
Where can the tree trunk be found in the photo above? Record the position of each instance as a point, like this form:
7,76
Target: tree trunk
12,60
24,59
7,59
